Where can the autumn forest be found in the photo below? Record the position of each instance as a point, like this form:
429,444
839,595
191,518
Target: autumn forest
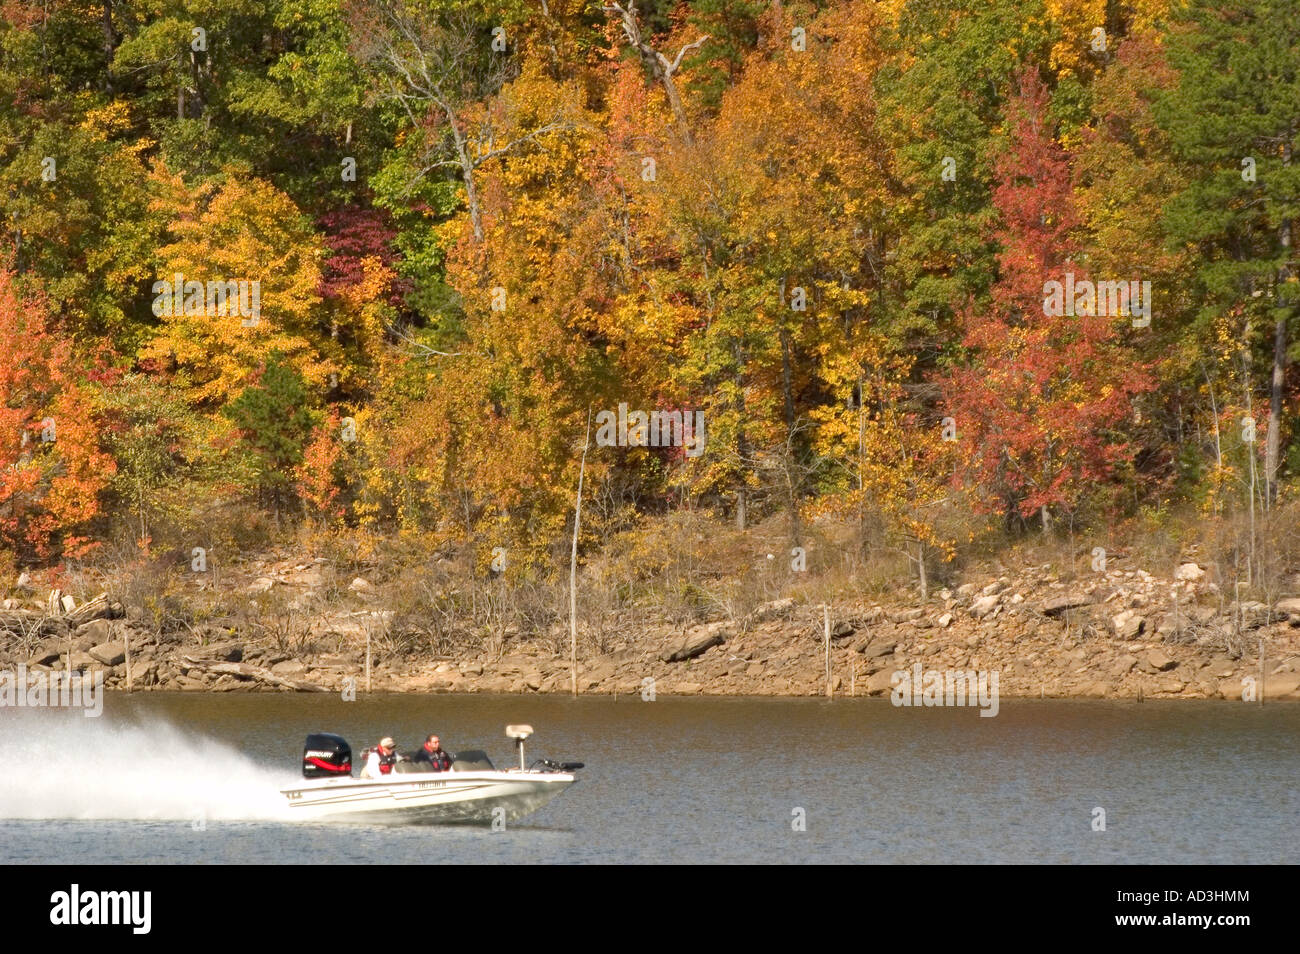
943,275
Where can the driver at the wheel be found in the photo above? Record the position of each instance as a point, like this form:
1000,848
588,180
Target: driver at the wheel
433,753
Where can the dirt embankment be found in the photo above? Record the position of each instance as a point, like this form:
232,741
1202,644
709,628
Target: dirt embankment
1118,634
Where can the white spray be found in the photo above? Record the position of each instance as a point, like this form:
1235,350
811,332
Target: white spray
100,768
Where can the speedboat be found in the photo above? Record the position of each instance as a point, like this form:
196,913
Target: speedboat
472,791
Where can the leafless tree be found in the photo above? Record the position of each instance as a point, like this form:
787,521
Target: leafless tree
435,68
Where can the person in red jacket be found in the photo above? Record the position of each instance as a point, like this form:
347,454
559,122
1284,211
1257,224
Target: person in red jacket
433,753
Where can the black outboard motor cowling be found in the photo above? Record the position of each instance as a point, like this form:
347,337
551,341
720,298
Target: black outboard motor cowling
326,756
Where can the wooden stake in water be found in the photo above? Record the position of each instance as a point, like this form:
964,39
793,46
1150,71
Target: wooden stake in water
368,627
1261,670
826,624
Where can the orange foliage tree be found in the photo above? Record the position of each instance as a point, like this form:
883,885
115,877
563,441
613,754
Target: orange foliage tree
51,468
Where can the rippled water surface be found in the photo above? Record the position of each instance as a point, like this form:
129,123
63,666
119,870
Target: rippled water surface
193,778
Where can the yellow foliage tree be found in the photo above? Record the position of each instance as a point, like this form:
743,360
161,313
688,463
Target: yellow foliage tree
242,230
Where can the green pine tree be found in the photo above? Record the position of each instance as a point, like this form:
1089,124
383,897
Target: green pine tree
276,422
1233,121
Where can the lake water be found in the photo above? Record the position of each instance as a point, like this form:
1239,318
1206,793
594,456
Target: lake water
193,778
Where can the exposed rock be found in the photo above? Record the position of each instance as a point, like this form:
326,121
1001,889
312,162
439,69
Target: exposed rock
1124,664
841,630
880,682
1222,666
1171,625
1282,685
358,585
906,616
1289,608
1250,613
1189,572
777,650
874,615
96,631
83,644
1159,662
690,649
1056,605
772,610
877,649
245,671
110,654
1128,625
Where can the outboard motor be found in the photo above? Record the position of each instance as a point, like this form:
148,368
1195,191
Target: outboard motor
326,756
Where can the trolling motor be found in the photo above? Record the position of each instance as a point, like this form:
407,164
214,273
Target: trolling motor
521,732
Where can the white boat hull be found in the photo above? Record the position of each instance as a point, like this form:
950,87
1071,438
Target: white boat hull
426,798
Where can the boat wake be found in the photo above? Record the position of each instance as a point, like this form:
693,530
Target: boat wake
148,770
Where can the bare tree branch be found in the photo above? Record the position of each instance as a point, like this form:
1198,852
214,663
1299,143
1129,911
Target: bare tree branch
438,66
660,66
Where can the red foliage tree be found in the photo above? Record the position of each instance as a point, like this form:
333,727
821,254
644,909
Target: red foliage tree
352,235
1040,402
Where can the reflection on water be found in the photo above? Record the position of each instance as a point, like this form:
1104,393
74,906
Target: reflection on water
192,778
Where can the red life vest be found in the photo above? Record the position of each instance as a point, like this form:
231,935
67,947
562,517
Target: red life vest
386,762
440,760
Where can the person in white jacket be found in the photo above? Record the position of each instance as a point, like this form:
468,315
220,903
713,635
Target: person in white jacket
381,760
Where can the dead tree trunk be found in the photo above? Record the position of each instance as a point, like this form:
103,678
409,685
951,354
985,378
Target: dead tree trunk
662,68
1273,442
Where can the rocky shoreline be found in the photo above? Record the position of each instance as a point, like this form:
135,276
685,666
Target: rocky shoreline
1120,634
